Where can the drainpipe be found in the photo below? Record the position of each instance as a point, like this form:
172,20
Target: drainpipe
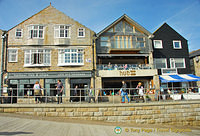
93,70
2,60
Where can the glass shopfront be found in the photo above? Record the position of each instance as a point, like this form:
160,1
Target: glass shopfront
50,86
24,87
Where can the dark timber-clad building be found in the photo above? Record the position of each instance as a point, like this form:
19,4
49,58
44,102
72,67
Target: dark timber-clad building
170,51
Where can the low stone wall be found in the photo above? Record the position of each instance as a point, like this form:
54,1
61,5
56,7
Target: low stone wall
169,113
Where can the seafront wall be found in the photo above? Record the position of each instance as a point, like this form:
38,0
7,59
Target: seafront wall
183,113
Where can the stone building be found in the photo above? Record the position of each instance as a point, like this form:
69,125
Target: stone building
195,63
2,59
46,47
124,52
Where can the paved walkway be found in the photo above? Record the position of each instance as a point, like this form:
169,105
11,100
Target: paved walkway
20,126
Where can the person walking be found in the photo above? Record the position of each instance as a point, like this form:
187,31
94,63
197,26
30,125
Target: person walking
124,92
59,89
75,94
37,92
140,90
91,95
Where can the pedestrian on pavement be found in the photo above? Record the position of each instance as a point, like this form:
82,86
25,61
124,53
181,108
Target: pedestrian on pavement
75,94
91,95
59,89
140,90
124,93
37,92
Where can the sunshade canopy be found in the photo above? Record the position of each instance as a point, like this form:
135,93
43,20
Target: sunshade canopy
179,78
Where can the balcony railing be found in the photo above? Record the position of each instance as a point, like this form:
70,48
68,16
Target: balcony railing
123,66
107,95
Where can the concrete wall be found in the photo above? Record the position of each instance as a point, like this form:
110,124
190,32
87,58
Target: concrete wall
172,113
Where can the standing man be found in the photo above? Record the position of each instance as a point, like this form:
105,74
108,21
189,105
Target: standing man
91,95
75,94
60,89
124,92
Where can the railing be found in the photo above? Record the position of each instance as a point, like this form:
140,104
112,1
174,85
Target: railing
109,95
123,66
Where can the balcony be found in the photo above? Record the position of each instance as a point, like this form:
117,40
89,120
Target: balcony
123,67
125,70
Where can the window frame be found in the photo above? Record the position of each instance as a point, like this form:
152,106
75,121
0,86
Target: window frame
83,32
31,51
138,41
31,27
17,31
70,55
59,29
108,41
184,65
154,42
179,44
9,56
163,59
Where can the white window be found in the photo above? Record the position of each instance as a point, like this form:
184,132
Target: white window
37,57
104,41
70,57
160,63
12,55
177,62
18,33
81,32
177,44
157,43
36,31
62,31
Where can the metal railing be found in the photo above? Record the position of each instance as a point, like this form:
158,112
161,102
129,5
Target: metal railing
107,95
123,66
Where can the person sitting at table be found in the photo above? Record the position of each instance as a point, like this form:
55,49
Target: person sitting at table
115,67
109,66
125,67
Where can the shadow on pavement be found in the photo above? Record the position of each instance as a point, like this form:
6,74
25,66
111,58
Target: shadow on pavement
15,133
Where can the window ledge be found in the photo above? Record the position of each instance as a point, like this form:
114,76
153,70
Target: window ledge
12,61
178,48
62,37
61,65
37,65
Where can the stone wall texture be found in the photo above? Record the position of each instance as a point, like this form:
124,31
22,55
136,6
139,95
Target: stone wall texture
167,113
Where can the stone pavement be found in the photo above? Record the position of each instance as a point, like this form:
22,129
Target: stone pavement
22,126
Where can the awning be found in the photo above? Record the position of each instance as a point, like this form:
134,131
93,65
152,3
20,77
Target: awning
179,78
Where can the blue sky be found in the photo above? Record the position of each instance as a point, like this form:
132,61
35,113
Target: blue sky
182,15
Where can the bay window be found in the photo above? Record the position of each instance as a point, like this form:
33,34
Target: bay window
37,57
160,63
62,31
177,62
36,31
68,57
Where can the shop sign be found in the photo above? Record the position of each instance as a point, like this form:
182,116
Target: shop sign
49,75
127,72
